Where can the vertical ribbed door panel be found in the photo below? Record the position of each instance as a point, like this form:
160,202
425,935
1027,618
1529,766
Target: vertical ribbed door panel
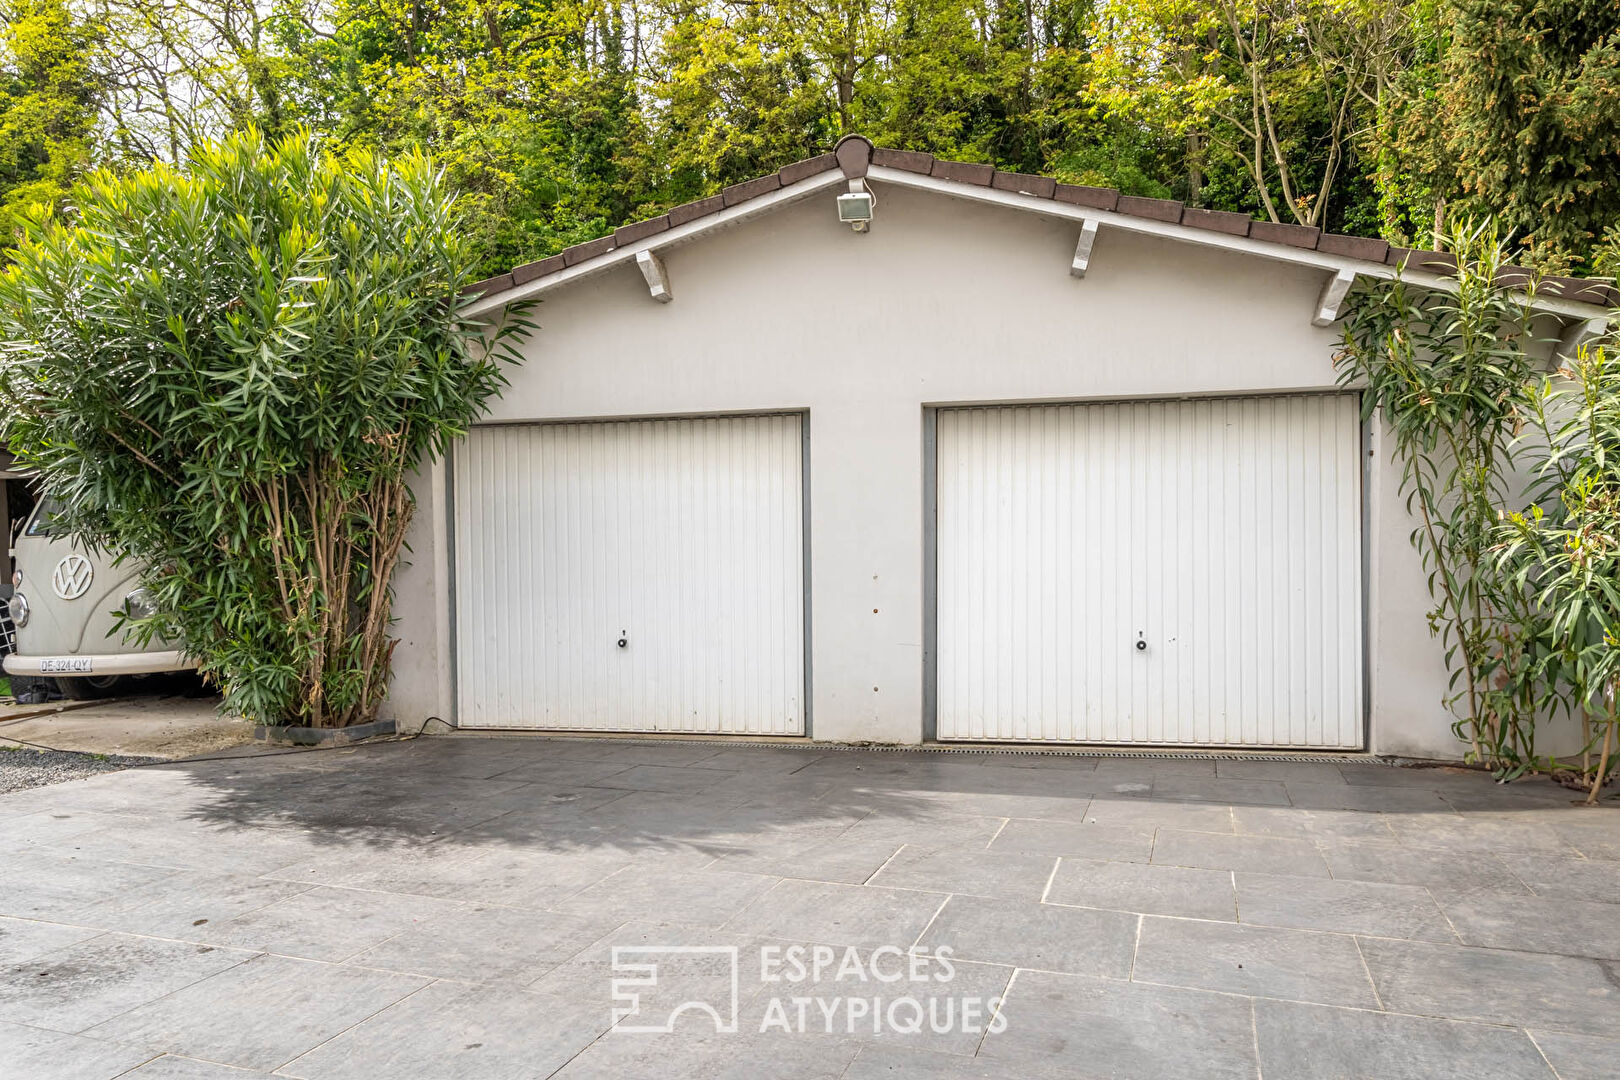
1223,535
683,538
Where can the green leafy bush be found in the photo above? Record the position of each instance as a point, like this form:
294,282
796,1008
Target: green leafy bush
228,371
1513,481
1565,548
1448,371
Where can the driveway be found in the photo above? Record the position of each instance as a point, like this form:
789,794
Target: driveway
460,907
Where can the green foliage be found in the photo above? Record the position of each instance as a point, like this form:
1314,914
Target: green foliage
49,97
1524,574
1530,106
1448,374
557,120
228,371
1569,558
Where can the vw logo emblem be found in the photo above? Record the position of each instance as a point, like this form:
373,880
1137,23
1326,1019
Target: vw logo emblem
71,578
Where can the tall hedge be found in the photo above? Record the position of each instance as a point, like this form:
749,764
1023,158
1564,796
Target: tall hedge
229,370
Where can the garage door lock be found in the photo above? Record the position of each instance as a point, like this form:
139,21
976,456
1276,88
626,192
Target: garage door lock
623,639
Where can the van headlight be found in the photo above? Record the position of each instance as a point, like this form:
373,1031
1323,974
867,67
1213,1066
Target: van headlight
19,609
140,605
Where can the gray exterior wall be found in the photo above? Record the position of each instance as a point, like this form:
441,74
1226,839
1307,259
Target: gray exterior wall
943,302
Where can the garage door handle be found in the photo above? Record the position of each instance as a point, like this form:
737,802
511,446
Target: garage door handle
623,641
1141,646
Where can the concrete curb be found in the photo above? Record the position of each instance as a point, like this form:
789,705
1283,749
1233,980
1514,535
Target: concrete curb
289,735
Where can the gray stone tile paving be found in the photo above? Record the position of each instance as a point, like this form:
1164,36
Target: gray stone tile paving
1495,986
1182,891
451,1032
1592,840
1008,875
491,907
1313,1042
710,1056
1252,854
1535,923
1367,799
1579,1057
1592,880
704,898
188,903
1086,840
172,1067
1046,937
27,1052
24,939
838,914
320,923
260,1014
74,988
1257,961
1102,1028
485,944
1400,865
1220,790
1346,907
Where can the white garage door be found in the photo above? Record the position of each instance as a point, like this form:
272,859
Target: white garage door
680,538
1176,573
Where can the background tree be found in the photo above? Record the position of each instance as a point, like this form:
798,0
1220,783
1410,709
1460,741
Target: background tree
50,96
1529,111
228,370
1265,93
557,120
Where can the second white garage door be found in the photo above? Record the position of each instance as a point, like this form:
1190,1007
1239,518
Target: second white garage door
1172,573
631,576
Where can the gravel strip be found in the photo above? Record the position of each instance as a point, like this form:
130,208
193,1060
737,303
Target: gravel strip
24,767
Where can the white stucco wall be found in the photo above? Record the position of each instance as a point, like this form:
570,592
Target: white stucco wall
943,302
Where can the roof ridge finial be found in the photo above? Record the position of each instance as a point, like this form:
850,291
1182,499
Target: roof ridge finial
854,153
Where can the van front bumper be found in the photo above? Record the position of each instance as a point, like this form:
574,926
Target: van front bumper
141,663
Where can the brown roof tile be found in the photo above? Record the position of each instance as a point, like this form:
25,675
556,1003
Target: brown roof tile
1157,209
1042,187
909,160
680,215
751,189
1102,198
1509,275
1429,262
590,249
802,170
854,153
524,274
1585,290
1300,236
498,283
965,172
1216,220
625,235
1353,247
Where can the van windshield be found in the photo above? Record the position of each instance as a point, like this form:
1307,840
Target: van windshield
41,523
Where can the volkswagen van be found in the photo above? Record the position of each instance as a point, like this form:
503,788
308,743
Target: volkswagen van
64,607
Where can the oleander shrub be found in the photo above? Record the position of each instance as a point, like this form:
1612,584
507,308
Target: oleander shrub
228,370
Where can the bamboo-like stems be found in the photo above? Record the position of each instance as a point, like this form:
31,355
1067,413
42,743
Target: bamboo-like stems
1603,760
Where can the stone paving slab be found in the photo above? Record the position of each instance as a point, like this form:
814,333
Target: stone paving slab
471,907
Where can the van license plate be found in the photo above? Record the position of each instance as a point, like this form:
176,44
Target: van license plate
78,664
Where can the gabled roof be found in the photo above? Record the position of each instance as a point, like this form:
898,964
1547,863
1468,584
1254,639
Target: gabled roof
855,159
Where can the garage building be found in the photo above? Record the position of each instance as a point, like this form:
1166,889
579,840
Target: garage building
1016,462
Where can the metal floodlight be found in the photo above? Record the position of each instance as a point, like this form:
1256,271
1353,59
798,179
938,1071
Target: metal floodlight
855,209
